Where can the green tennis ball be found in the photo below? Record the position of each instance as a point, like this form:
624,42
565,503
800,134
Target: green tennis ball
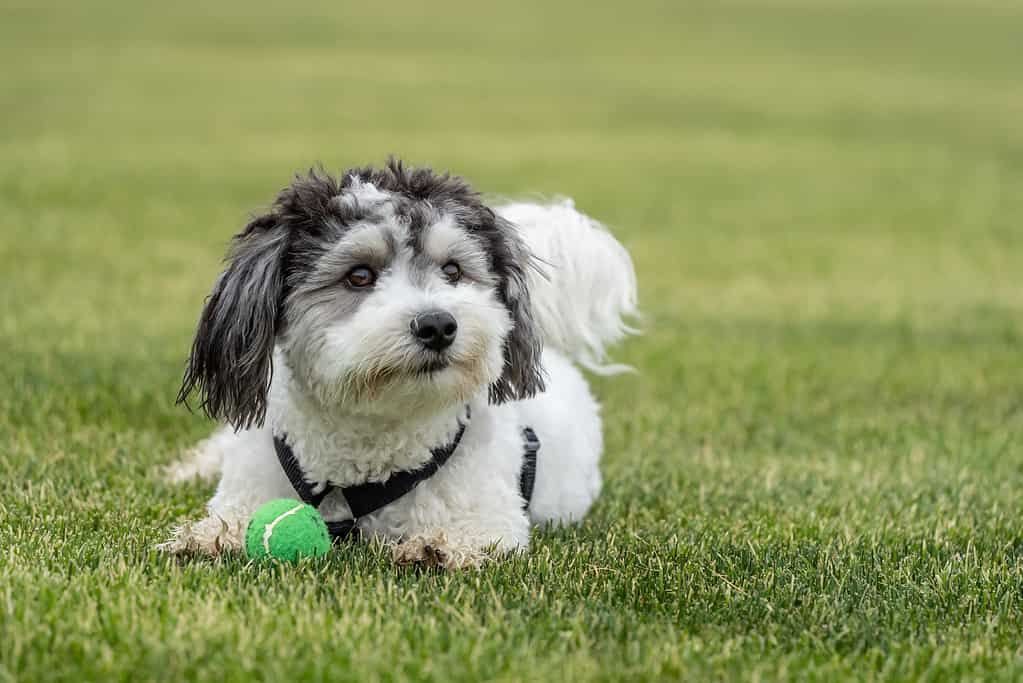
286,529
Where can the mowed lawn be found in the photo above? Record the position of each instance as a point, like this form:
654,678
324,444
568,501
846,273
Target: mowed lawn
817,470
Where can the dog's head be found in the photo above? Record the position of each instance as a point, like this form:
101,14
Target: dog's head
387,290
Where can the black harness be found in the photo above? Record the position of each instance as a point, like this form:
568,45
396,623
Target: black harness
369,497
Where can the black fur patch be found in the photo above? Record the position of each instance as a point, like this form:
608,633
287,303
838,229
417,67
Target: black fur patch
230,363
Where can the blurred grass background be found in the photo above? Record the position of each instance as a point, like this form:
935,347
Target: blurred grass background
816,473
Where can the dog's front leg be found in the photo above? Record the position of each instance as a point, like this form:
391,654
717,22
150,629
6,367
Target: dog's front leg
450,549
444,549
454,523
210,536
250,477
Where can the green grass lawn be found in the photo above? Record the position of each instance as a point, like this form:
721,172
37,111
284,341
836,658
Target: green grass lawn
816,472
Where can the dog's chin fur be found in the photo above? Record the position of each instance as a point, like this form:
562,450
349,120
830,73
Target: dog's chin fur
286,345
400,392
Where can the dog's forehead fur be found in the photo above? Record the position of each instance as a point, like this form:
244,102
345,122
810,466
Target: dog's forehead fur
319,208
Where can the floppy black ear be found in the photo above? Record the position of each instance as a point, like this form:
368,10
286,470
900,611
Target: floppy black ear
231,360
523,375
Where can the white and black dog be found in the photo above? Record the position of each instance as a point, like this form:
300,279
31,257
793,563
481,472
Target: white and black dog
389,348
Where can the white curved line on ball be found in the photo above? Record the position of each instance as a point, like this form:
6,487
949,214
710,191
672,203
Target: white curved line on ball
268,530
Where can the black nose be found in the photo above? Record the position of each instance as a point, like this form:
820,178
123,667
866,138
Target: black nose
435,330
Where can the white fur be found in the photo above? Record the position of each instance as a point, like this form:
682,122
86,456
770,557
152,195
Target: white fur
587,286
364,193
472,506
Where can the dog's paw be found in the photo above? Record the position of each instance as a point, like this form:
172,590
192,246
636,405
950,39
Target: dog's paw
437,551
211,536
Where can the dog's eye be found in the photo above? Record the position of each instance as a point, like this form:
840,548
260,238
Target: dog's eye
360,277
452,271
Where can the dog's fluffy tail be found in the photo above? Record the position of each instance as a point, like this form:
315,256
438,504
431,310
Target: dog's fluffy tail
584,289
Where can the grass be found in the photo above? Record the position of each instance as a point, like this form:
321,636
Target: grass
817,472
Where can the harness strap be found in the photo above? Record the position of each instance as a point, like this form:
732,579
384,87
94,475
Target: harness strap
289,463
527,476
364,498
369,497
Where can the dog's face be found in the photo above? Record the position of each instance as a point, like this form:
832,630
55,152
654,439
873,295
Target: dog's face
400,310
392,291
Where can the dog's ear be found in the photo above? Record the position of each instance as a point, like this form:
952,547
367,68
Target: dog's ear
522,376
231,361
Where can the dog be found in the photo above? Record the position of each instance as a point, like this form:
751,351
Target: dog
388,347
